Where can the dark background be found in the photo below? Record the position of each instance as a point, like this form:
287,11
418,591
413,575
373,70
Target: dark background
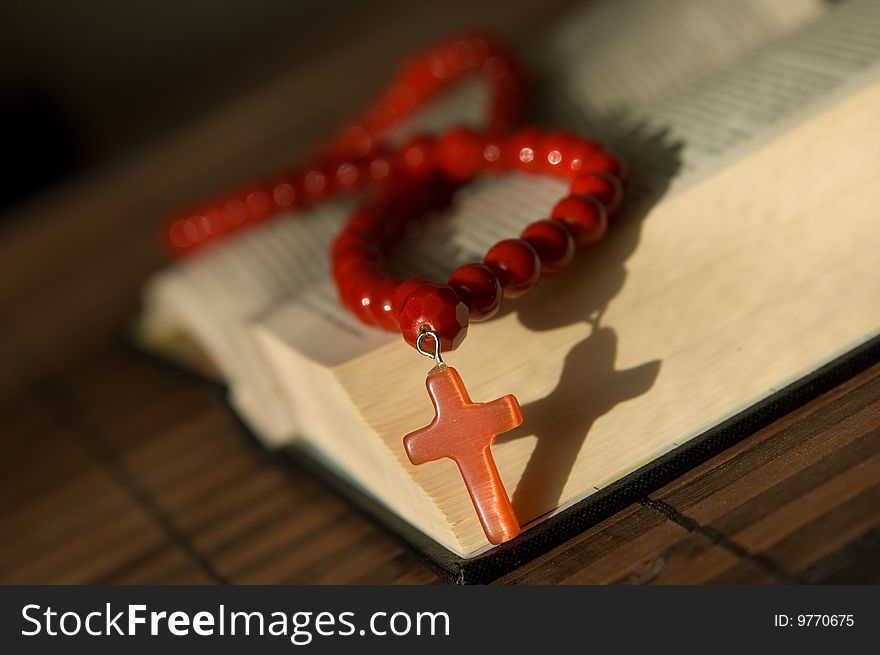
83,83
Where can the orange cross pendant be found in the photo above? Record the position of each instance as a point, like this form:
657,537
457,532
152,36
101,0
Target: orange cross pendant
464,431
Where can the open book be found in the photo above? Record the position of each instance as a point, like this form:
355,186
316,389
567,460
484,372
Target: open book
748,256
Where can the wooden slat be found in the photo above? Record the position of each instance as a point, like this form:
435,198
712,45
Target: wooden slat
65,518
798,490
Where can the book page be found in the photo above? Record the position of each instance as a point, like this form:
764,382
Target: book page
625,55
711,110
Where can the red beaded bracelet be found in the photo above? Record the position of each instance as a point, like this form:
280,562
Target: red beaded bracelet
510,268
356,157
409,181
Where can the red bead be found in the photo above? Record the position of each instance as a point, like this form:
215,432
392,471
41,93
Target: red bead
382,306
459,153
584,217
379,166
259,204
478,288
417,157
185,233
234,212
175,238
604,162
478,48
604,187
577,153
214,222
357,245
416,74
350,176
442,62
403,290
356,292
316,185
522,150
402,96
495,154
516,264
284,195
552,153
381,117
435,307
498,68
553,243
193,229
353,258
353,141
347,239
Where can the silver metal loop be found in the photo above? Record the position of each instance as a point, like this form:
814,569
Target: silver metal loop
428,332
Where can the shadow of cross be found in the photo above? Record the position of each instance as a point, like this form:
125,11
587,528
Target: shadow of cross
464,431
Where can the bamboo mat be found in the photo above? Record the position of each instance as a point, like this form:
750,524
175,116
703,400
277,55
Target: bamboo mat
115,468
